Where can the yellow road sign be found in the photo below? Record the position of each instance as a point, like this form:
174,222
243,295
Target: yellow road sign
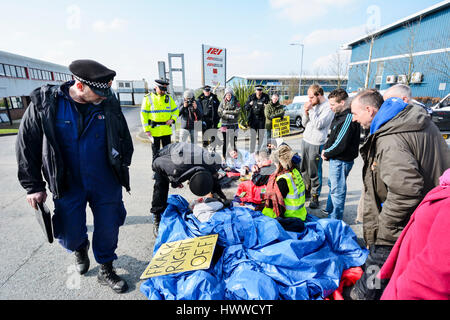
280,127
183,255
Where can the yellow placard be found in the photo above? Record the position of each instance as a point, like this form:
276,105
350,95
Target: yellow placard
280,127
183,255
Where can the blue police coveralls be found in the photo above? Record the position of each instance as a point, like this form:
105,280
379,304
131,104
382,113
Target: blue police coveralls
90,179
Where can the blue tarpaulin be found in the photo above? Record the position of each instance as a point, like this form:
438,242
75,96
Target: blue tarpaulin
256,258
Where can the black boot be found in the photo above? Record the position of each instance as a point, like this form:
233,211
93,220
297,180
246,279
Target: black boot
107,276
307,193
314,203
82,259
156,221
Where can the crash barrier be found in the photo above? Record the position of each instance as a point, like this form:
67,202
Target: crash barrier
255,258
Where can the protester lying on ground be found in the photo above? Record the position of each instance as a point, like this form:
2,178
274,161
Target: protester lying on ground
239,161
285,192
255,258
419,264
205,207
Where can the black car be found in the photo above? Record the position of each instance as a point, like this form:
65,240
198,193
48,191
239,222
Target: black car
441,116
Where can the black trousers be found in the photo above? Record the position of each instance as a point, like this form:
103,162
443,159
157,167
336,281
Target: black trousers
209,125
160,193
369,287
156,145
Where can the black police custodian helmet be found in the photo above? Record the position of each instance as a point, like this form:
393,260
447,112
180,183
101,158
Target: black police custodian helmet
94,74
201,183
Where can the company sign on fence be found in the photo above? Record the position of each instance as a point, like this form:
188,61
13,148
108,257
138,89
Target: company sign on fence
214,65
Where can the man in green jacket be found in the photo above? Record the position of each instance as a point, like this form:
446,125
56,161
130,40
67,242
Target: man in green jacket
404,156
273,110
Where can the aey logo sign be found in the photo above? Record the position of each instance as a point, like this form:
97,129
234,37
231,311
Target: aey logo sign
215,51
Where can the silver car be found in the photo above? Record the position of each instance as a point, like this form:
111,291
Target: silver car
294,111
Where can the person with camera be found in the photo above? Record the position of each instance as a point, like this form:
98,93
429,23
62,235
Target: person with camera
190,117
158,113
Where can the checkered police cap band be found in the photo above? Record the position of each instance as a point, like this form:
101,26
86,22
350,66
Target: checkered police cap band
99,85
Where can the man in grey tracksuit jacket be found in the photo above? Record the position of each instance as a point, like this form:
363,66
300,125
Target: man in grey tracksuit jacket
316,119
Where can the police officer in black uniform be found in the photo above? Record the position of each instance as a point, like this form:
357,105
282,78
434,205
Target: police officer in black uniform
256,118
210,104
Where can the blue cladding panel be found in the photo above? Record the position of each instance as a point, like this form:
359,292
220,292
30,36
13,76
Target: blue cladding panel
431,33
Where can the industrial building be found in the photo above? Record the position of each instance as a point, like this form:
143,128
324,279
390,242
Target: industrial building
19,76
131,92
287,86
414,50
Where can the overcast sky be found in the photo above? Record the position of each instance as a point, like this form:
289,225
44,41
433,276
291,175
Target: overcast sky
132,36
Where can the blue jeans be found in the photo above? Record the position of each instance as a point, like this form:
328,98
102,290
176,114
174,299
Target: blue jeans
337,182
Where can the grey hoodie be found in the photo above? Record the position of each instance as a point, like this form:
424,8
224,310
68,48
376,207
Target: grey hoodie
203,211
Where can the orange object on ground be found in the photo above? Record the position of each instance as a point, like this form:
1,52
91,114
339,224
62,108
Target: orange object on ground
349,278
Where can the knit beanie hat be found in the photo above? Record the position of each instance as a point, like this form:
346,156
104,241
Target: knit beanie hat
229,90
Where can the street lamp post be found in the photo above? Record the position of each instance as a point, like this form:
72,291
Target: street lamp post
301,66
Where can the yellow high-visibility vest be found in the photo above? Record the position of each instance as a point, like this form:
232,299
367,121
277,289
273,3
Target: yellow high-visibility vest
295,199
155,109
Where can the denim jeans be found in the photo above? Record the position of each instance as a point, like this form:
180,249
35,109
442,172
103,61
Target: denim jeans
337,182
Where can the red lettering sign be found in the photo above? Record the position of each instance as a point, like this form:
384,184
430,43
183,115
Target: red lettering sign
215,51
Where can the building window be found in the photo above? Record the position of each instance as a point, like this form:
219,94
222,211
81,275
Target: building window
16,103
7,70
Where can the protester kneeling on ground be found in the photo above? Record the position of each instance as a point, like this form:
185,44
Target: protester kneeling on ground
285,192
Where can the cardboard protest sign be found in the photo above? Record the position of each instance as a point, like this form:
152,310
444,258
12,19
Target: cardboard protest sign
280,127
183,255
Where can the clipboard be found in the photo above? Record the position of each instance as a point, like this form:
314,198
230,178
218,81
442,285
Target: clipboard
44,219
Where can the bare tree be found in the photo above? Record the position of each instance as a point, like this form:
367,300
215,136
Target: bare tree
407,64
338,67
439,63
292,85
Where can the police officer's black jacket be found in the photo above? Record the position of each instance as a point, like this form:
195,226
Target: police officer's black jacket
256,117
209,107
37,149
177,162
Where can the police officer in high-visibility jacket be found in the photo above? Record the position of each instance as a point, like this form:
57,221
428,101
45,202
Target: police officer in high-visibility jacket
285,192
158,113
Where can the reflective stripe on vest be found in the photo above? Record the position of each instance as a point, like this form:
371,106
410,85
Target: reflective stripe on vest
160,112
295,199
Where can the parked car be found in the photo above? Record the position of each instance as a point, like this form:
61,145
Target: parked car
441,116
294,111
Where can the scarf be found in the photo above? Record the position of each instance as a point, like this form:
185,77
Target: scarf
273,197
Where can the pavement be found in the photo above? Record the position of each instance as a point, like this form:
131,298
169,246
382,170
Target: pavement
31,268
